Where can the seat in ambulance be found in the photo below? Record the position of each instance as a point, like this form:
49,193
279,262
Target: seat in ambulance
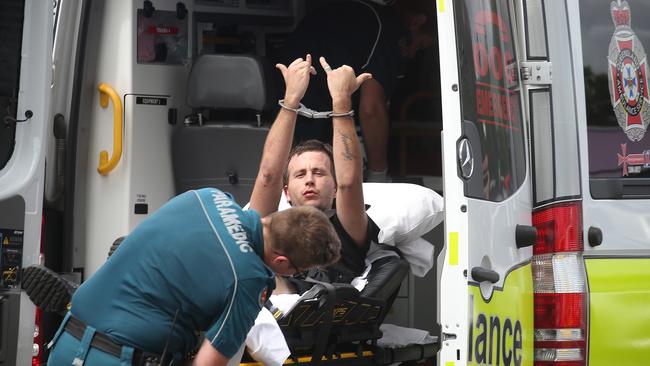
220,144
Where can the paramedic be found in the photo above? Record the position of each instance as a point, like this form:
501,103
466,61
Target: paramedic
374,39
198,264
310,178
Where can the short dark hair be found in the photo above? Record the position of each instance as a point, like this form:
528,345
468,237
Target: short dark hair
307,146
305,235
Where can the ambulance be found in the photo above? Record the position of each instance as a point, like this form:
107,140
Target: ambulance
529,116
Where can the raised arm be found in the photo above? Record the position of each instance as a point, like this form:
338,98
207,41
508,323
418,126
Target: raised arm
268,184
342,83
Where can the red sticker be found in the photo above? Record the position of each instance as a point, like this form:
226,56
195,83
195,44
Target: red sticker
162,30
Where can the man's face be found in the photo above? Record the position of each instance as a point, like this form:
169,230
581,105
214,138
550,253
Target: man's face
310,180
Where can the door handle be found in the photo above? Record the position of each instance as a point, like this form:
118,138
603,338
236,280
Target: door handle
525,236
105,165
594,236
481,274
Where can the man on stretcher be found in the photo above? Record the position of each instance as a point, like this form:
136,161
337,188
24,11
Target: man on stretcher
330,178
318,174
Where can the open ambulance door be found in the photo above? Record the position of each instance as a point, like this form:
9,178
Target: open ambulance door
486,295
25,60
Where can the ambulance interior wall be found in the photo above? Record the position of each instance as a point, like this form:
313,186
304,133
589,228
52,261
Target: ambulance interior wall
103,204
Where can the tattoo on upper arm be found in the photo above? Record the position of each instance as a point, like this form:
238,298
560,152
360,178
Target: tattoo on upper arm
346,140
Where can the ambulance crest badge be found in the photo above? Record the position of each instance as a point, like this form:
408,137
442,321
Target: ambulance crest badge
628,83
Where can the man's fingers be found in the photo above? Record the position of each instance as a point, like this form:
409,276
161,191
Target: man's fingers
300,64
296,61
363,77
312,70
282,68
324,64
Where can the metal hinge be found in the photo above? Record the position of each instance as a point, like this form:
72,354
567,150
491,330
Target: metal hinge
536,72
448,336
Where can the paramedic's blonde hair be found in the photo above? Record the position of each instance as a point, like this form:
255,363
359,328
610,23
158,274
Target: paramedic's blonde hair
305,235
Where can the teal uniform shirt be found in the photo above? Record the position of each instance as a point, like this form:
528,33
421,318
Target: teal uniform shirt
199,259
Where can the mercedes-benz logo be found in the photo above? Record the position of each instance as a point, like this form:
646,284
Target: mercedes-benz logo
465,158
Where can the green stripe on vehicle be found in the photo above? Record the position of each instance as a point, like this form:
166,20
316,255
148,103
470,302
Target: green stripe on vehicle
619,311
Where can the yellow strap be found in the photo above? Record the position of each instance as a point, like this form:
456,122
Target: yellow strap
305,359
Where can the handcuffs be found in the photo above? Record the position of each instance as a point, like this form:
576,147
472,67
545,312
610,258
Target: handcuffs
310,113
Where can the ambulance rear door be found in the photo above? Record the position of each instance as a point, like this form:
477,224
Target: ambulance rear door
26,77
486,295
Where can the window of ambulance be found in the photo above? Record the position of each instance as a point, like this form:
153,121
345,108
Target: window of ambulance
490,100
11,32
614,37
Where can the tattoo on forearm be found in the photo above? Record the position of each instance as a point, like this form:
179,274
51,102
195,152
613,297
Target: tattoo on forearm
346,140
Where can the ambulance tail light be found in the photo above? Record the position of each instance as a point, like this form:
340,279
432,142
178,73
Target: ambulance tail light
559,229
560,290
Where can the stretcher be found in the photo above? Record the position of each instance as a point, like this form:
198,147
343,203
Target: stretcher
335,324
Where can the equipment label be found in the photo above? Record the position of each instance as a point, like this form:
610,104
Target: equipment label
151,100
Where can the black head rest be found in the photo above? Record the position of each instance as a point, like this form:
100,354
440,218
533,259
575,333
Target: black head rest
229,82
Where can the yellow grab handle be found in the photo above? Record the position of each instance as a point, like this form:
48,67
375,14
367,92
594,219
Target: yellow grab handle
105,166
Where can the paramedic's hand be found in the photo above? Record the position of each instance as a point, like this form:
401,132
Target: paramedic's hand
342,82
296,79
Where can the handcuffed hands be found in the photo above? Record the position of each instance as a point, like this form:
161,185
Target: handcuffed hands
296,79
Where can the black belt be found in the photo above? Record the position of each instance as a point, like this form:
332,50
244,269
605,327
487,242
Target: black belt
102,342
